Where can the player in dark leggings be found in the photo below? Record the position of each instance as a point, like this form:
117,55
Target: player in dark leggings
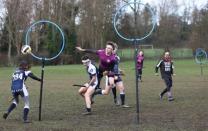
166,70
118,81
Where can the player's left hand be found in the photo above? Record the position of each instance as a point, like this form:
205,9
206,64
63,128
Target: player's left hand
86,85
122,72
116,77
105,73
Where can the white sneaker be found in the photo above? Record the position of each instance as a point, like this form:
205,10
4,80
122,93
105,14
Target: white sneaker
125,106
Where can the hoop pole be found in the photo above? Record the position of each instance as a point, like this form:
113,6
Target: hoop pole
136,80
41,88
201,66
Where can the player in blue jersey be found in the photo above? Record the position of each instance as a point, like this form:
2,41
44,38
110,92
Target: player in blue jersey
89,87
166,70
18,88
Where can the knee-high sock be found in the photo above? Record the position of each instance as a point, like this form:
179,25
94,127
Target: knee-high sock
114,92
12,106
25,113
122,96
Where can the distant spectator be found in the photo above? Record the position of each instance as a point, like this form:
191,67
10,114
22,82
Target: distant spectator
140,60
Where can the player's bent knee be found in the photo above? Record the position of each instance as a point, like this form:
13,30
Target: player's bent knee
168,88
14,102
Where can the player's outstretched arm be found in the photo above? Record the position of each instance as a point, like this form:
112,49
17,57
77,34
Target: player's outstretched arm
80,48
31,75
86,50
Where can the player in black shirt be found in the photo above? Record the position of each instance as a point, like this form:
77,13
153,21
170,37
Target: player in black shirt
166,70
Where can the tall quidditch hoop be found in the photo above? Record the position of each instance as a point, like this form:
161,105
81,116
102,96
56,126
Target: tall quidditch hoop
27,39
200,56
137,38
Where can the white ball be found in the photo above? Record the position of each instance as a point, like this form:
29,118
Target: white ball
26,49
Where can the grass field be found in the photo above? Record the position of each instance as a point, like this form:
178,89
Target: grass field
62,106
156,53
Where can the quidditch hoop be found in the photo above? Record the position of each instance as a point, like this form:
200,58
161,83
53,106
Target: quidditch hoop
145,35
200,53
62,35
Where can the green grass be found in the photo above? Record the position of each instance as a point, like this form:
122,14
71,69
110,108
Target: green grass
62,106
156,53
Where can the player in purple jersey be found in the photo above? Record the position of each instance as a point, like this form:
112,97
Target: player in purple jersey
106,66
18,88
88,89
140,60
107,61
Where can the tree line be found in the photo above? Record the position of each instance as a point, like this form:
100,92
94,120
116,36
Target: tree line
89,23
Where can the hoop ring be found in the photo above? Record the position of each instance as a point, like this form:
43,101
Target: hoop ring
135,39
62,35
200,51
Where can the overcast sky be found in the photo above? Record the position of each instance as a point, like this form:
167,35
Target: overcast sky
199,3
190,3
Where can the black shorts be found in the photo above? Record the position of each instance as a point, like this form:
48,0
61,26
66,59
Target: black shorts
168,82
139,71
17,94
118,80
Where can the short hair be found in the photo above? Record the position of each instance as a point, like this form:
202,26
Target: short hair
111,44
24,65
85,57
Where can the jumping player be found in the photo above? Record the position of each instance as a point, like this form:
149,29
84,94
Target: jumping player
18,88
166,70
90,86
140,59
107,62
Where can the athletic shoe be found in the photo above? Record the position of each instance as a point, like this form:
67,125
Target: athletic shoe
170,99
115,101
5,115
160,96
125,106
118,103
86,113
26,121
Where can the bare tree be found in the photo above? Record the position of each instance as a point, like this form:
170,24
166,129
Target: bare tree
17,18
95,21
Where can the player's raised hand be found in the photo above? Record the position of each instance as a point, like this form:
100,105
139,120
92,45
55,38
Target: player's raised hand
79,48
